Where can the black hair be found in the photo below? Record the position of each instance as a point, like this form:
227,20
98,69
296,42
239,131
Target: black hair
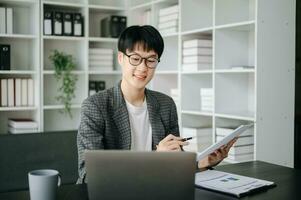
148,36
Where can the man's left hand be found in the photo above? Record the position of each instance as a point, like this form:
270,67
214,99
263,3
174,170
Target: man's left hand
216,157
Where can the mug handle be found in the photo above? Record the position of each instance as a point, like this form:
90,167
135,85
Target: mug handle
59,180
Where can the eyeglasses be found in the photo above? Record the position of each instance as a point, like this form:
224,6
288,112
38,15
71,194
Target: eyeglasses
136,60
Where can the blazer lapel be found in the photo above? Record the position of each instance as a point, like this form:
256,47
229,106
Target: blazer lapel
121,118
158,130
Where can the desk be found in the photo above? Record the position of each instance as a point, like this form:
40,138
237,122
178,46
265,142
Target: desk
288,183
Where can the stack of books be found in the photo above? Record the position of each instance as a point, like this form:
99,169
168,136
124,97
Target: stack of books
197,55
16,126
239,67
206,99
17,92
101,59
202,138
174,93
243,149
168,20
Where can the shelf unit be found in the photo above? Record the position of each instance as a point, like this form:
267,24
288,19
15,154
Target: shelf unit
243,34
93,11
25,45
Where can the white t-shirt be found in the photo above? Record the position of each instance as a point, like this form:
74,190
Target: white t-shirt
141,131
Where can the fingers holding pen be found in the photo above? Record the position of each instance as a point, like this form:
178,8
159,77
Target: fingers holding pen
171,143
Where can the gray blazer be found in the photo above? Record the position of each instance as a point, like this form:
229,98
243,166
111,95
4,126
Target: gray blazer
105,124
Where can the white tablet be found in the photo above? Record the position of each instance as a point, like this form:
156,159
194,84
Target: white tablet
224,141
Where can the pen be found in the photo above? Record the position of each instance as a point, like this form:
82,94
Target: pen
188,138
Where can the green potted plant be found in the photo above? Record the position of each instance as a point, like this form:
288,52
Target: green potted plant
63,66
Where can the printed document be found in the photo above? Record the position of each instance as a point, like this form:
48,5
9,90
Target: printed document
230,183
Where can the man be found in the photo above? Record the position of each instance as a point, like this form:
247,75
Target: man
129,116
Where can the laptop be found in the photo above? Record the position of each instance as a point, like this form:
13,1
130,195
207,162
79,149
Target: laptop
129,175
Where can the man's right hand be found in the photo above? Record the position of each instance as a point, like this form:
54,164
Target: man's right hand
171,143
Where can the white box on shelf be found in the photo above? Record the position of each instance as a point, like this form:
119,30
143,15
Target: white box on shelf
168,24
101,57
101,63
207,107
100,51
242,67
30,90
100,68
196,131
169,10
2,20
197,59
206,92
197,43
93,54
4,92
241,158
194,67
21,131
221,131
248,140
247,149
9,20
167,31
22,123
170,17
197,51
24,91
10,92
18,93
207,101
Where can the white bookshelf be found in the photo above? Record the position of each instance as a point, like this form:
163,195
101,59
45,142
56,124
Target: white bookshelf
244,33
25,45
239,31
52,118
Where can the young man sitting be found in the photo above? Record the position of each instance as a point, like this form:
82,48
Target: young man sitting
129,116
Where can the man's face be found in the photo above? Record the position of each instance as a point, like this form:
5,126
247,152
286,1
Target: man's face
137,76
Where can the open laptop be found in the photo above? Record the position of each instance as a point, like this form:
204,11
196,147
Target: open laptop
129,175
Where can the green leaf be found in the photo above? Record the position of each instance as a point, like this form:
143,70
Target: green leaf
63,66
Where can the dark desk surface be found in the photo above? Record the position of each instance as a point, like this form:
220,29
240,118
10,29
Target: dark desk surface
288,182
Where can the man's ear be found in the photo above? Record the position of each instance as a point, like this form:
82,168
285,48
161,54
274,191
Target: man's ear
120,58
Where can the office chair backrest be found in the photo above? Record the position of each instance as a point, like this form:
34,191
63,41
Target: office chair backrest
22,153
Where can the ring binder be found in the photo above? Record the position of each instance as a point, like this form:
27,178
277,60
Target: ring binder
4,57
58,23
78,24
48,23
68,24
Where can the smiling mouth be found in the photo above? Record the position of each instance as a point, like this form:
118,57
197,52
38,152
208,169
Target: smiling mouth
140,77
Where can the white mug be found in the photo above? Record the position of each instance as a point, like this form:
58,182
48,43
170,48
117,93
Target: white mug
43,184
